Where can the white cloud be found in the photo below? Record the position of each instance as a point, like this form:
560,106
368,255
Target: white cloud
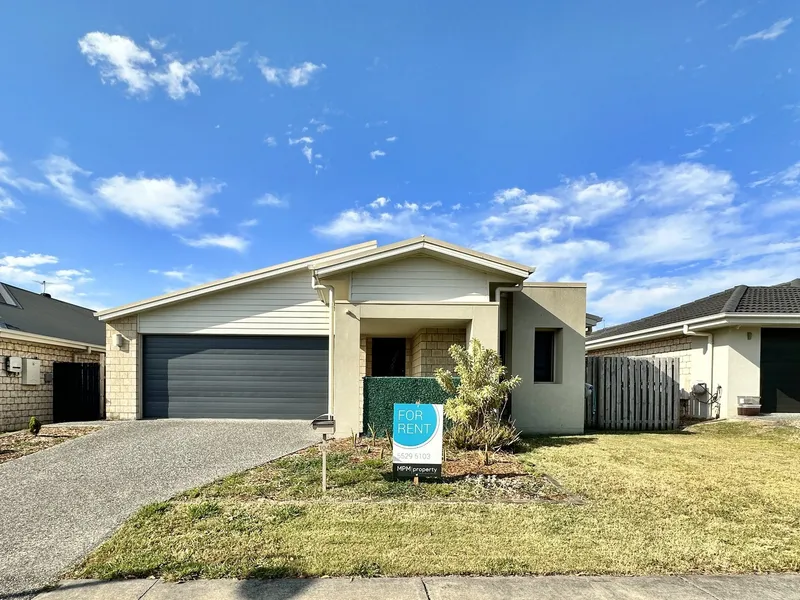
456,206
303,140
773,32
297,76
163,202
121,60
789,177
392,138
308,153
693,154
431,205
271,200
376,153
227,241
157,201
60,172
222,64
402,220
685,183
248,223
27,270
156,44
271,141
323,128
379,202
30,260
7,204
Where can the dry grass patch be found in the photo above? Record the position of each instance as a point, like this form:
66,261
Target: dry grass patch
19,443
718,498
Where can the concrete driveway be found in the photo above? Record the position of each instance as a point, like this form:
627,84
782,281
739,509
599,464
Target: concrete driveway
58,504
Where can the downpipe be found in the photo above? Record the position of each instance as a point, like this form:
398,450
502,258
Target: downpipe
331,335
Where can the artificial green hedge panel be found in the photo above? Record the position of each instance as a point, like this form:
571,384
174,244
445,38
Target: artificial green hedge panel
381,393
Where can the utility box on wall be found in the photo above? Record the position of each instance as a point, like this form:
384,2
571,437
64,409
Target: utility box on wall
31,371
14,365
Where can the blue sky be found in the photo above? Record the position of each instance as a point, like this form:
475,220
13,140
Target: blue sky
651,150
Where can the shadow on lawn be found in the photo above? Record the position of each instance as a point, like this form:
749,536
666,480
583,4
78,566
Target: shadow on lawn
550,441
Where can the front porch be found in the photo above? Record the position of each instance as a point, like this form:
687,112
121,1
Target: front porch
399,340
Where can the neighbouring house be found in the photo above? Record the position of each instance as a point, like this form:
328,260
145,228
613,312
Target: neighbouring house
297,339
744,341
38,336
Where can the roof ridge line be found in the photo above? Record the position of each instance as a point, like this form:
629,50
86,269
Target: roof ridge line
733,302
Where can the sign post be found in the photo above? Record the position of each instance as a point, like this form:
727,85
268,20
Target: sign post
417,442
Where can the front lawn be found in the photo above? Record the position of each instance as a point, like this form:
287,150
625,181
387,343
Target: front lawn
19,443
719,497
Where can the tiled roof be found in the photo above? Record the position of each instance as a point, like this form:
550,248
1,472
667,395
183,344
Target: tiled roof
783,298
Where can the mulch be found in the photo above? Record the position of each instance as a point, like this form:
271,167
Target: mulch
20,443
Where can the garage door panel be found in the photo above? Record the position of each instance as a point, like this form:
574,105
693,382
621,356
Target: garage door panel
268,377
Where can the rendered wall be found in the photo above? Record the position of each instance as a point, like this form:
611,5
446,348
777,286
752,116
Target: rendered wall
549,407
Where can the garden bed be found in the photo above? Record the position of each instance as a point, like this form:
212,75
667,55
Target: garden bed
19,443
362,470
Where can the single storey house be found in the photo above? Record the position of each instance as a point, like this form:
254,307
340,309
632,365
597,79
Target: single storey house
742,342
37,334
296,340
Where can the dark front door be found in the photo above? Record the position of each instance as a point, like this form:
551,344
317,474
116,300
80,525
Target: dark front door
239,377
388,357
780,370
76,392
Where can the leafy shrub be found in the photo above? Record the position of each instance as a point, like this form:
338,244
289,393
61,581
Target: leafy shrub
34,425
475,406
495,434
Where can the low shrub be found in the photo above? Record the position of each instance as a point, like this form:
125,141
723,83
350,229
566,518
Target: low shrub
34,425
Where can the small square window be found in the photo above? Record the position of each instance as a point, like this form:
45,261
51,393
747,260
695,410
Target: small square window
544,356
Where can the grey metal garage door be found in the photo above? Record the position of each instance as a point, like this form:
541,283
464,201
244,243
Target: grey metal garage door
265,377
780,370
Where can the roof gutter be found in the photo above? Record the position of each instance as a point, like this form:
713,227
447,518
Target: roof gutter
35,338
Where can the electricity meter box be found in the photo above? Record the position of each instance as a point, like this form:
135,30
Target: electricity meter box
14,365
31,371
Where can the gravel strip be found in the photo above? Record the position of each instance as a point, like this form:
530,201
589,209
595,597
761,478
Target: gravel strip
58,504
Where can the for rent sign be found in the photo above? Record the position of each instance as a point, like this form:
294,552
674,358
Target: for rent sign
417,447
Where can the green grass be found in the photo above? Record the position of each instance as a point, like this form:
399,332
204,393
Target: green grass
720,498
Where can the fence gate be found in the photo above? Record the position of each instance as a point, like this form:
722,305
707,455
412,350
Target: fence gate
76,392
633,393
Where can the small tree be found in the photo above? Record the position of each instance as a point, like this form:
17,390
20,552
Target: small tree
475,406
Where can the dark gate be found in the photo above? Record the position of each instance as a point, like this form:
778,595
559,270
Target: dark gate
76,392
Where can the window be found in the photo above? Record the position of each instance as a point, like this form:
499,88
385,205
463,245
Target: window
544,356
388,357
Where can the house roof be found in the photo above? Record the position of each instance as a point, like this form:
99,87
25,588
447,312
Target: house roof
328,263
422,245
27,312
781,299
227,283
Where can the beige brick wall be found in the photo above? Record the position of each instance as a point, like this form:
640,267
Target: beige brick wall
679,346
429,350
18,403
121,369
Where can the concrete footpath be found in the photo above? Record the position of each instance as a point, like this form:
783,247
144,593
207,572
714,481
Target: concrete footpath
694,587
